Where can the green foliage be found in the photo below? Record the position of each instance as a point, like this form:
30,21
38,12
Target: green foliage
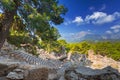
49,39
22,39
18,37
51,34
52,46
8,4
81,47
33,22
110,49
106,48
37,17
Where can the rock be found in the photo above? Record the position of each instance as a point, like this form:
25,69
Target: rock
71,76
62,78
2,68
99,61
37,74
71,69
8,47
69,56
3,78
5,69
83,79
84,73
65,66
62,57
52,76
15,75
19,70
80,60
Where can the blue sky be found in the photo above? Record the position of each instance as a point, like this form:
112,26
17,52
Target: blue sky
99,18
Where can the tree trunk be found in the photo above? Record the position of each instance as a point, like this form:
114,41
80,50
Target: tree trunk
6,23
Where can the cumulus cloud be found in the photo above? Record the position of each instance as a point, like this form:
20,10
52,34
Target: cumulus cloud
71,37
95,18
101,17
78,20
109,32
80,34
114,32
115,28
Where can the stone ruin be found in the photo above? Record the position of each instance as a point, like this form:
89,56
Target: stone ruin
19,65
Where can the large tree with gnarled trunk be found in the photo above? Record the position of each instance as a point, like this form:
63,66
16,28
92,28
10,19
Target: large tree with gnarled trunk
36,15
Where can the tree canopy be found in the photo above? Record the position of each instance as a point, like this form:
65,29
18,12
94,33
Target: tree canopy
37,17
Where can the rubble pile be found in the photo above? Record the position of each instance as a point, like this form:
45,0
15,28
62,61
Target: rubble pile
77,67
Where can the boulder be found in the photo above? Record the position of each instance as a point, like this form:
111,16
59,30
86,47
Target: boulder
3,78
16,74
71,76
37,74
84,73
62,78
5,69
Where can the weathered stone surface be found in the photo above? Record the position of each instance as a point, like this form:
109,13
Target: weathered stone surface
5,69
71,76
99,62
31,68
16,74
37,74
83,73
62,78
65,66
2,67
3,78
80,59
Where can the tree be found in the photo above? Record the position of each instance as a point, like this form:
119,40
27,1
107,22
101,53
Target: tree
49,38
7,18
62,42
36,15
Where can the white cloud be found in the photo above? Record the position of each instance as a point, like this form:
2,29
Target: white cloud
104,37
71,37
109,32
116,30
115,27
101,17
95,18
78,20
81,34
